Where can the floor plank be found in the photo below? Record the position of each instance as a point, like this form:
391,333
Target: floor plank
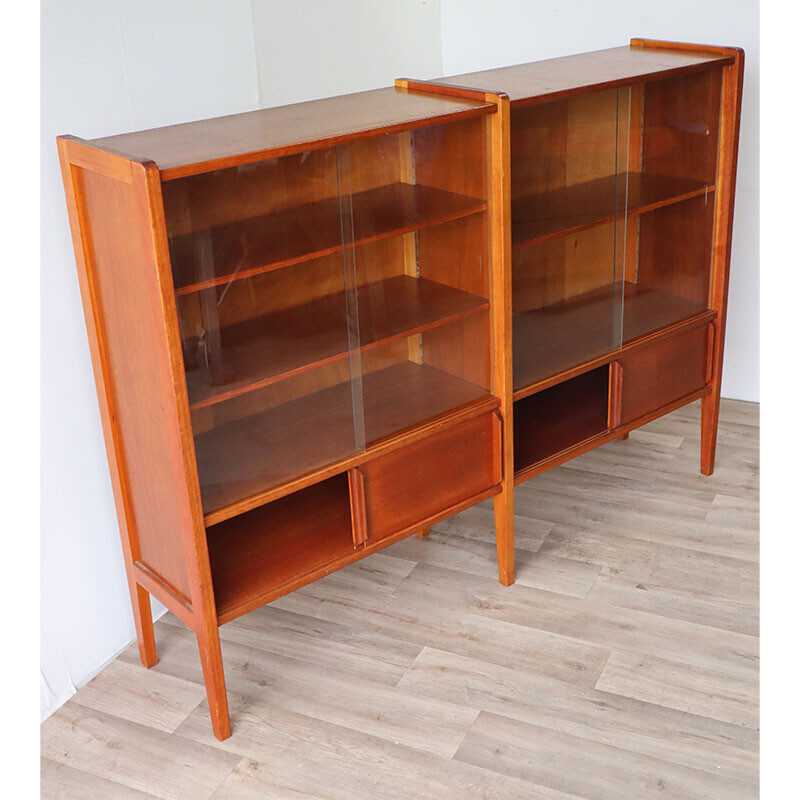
716,695
289,754
413,615
589,769
62,782
326,694
688,739
136,756
130,692
446,549
342,648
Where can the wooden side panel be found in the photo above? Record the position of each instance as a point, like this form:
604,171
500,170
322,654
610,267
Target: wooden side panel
656,375
127,310
430,476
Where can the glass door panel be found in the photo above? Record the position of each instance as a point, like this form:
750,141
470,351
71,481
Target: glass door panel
673,151
569,194
417,273
263,309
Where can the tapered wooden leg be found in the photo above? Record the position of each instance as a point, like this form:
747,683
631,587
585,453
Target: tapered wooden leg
624,436
504,532
143,619
709,419
211,659
423,533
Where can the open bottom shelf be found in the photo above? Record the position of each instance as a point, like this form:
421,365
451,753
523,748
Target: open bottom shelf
250,456
555,338
551,421
253,555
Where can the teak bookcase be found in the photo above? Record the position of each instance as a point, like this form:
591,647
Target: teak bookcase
293,316
622,176
320,328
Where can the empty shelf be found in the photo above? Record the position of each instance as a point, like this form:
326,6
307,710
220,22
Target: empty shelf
250,247
574,208
243,458
285,343
555,338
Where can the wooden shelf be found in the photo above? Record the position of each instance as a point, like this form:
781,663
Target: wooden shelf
285,343
544,81
256,553
249,456
552,339
210,144
538,217
558,418
246,248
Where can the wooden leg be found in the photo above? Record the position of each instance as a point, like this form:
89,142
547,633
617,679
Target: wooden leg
709,419
211,659
504,532
423,533
143,618
624,436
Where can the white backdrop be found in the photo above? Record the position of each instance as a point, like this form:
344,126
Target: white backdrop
110,66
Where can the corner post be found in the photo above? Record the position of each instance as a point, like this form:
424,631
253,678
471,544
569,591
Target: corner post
502,373
731,105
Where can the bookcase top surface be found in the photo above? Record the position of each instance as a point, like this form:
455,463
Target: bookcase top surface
204,145
560,77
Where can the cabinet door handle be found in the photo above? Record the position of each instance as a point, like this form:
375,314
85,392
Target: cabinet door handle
358,506
615,396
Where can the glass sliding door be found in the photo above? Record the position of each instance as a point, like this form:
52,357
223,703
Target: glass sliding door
673,153
265,312
570,187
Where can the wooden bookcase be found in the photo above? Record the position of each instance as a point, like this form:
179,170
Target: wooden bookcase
293,315
622,173
320,328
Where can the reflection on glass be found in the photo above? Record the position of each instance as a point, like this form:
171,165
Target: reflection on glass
569,191
612,214
421,295
328,300
674,139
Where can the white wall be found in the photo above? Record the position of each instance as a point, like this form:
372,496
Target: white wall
111,66
477,34
309,49
107,67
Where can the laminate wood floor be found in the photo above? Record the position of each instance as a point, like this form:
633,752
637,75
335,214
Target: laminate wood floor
622,664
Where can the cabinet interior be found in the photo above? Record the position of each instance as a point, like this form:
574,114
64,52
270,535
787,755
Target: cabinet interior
612,219
329,300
